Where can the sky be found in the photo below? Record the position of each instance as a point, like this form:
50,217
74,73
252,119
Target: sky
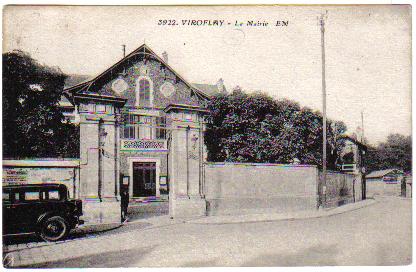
368,51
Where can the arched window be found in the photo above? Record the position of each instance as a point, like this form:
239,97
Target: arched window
144,93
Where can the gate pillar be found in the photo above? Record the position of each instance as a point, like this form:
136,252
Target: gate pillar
99,159
186,153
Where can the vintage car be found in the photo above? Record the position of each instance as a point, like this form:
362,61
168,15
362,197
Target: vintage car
44,209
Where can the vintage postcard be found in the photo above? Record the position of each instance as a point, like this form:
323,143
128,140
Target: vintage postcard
206,136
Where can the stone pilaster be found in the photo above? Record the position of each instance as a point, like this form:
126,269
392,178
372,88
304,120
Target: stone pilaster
185,168
99,170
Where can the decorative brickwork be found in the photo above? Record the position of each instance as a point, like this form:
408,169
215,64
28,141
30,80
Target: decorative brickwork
159,75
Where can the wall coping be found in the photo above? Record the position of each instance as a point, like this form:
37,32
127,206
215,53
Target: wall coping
337,172
56,163
219,164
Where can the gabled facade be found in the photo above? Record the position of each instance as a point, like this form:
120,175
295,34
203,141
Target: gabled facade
147,102
358,150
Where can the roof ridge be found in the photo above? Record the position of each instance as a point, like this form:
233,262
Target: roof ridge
144,47
382,172
77,85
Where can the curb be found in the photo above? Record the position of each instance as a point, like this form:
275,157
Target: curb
325,213
153,225
100,229
111,225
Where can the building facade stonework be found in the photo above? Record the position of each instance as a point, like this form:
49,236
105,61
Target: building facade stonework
141,120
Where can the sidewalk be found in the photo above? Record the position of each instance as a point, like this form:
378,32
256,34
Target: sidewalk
22,255
267,217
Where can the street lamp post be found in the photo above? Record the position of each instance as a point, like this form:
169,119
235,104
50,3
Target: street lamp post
322,23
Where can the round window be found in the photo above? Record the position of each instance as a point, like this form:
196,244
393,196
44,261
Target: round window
167,89
119,85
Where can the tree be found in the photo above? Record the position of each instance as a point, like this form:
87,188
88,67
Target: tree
336,130
395,152
32,121
257,128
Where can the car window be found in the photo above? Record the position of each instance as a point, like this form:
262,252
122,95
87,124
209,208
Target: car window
6,196
32,196
53,195
16,197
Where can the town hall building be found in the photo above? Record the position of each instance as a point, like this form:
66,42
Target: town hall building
141,122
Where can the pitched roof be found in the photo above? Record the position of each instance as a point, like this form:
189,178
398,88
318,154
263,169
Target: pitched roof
207,89
356,142
65,103
75,79
88,87
184,107
381,173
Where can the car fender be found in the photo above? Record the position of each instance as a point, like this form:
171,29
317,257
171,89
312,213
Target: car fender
46,215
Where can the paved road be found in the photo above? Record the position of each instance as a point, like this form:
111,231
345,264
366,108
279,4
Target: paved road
379,234
137,212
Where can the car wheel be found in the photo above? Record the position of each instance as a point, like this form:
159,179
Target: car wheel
53,229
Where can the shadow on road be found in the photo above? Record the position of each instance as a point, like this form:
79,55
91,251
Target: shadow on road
208,263
118,258
33,238
322,255
83,232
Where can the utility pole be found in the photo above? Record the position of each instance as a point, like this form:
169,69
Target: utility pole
322,23
188,128
362,161
362,127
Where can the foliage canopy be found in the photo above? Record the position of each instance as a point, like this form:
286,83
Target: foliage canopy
33,124
395,152
257,128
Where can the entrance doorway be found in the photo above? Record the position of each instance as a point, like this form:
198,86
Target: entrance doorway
144,189
144,179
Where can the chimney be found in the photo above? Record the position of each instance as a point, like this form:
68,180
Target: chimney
165,56
220,85
124,50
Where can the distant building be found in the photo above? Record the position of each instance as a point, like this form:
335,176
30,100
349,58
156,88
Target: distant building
355,150
387,175
68,110
407,186
385,182
210,89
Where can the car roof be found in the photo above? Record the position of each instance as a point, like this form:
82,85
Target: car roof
42,185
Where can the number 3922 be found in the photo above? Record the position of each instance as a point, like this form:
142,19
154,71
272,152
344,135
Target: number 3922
167,22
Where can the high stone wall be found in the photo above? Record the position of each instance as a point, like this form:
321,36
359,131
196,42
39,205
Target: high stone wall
244,188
